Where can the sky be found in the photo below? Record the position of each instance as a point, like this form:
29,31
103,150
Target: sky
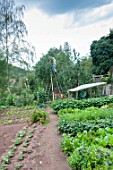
51,23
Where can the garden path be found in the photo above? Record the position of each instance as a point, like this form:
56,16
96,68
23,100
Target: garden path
52,157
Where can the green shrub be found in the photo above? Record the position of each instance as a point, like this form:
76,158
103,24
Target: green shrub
41,95
25,99
38,115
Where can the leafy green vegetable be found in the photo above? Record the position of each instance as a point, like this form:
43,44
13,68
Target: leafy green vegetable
91,157
81,104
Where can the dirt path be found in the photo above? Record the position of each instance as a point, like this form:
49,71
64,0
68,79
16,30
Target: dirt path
51,156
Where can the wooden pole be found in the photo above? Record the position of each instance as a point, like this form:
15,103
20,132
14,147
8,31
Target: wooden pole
90,92
68,95
105,89
53,96
76,94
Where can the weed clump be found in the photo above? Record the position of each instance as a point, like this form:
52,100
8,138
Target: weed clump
38,115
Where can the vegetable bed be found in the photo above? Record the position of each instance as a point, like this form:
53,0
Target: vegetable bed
87,137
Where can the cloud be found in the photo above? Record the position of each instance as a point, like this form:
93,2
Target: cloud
81,18
80,12
50,23
46,32
55,7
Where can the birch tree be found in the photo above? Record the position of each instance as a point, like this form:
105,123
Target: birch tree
13,35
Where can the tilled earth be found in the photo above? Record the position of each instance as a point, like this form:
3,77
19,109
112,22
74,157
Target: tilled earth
43,151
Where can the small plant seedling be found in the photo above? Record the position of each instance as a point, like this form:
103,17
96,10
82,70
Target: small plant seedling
18,141
10,121
18,166
32,131
3,167
10,153
27,120
25,128
34,126
16,120
29,150
25,144
5,159
21,134
21,120
28,139
20,156
30,135
13,147
24,150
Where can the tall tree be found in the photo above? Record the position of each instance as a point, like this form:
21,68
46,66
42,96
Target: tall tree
13,34
102,54
3,79
71,70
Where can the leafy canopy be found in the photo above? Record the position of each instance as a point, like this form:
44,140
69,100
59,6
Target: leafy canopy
102,53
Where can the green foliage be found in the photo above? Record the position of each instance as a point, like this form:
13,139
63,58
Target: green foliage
38,115
68,110
22,100
10,153
90,113
21,134
102,137
3,166
70,71
20,156
92,157
88,119
91,149
41,95
25,99
18,166
17,73
81,104
88,137
68,144
13,33
18,141
10,100
16,114
102,54
5,159
3,78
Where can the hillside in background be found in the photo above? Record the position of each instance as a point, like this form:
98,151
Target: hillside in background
17,72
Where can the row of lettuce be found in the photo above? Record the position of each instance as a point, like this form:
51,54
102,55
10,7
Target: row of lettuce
87,132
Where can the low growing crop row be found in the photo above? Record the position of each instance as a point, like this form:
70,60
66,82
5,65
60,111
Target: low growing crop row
87,137
88,119
18,149
23,114
90,150
81,104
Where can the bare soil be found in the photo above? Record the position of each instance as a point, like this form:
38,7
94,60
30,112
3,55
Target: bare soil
42,153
